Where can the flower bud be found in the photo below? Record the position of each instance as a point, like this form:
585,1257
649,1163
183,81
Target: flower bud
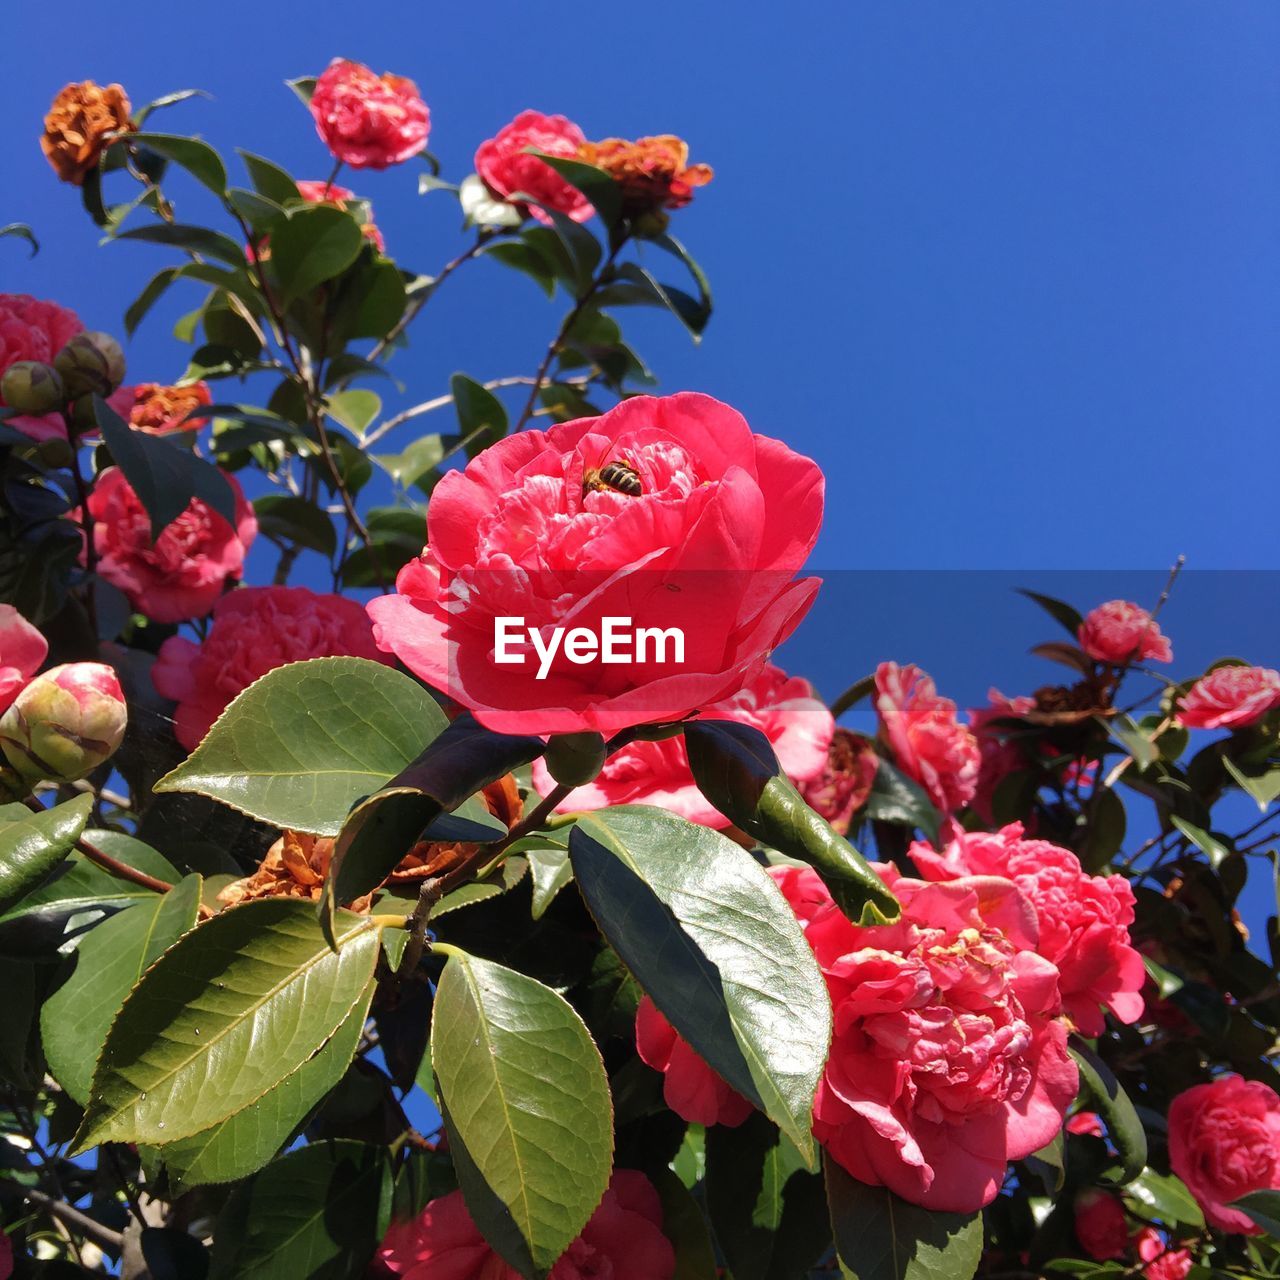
83,417
32,387
575,759
65,723
91,363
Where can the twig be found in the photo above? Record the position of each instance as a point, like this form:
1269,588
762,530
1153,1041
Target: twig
70,1216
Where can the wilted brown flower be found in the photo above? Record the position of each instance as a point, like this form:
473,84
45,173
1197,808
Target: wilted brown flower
654,173
436,857
160,410
82,120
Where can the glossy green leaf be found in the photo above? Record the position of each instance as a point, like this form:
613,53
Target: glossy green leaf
287,518
198,158
142,113
32,844
881,1237
1065,615
709,937
902,801
481,415
526,1095
209,244
1264,1208
108,962
318,1212
1117,1111
229,1011
1214,849
165,476
1166,1199
269,179
243,1143
594,183
521,257
735,767
769,1213
317,243
299,746
1264,787
154,290
355,409
632,285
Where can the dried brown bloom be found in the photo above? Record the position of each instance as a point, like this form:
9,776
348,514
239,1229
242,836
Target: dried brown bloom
160,410
438,857
81,122
654,173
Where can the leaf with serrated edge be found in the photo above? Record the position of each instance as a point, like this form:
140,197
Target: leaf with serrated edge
528,1098
709,936
230,1010
881,1237
302,744
109,961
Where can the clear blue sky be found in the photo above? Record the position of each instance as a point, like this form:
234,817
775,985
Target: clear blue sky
1010,271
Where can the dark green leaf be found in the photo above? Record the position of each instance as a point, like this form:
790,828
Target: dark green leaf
594,183
317,243
198,158
481,417
201,240
902,801
632,285
303,87
1264,1208
1117,1112
287,518
21,229
1166,1198
32,844
143,303
165,100
520,257
1064,614
269,179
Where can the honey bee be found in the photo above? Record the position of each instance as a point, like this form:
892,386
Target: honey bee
619,476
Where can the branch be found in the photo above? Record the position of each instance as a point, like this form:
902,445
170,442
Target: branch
70,1216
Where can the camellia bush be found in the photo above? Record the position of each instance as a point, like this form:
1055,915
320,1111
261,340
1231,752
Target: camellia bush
493,906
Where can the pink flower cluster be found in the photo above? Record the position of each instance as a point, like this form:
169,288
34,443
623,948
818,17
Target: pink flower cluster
31,329
369,121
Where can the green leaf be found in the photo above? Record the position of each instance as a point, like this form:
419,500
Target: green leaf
373,302
461,760
522,1087
109,961
900,800
287,518
318,1212
685,1227
1209,845
229,1011
769,1214
1263,787
709,937
550,871
1166,1198
299,746
355,409
520,257
1115,1108
1264,1208
735,767
633,285
881,1237
166,100
198,158
1122,727
317,243
1062,613
243,1143
209,244
481,415
269,179
150,295
165,476
32,844
581,247
21,229
594,183
303,87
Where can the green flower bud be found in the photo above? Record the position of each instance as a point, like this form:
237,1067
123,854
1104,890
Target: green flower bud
575,758
65,723
91,363
32,387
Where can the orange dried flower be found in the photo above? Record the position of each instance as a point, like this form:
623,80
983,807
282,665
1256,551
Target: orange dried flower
437,857
161,410
654,173
81,122
294,867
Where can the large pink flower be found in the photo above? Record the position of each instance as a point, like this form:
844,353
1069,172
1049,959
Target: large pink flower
507,170
22,650
369,121
183,572
1230,698
1084,919
1224,1141
689,1086
622,1241
927,742
1120,632
34,330
782,707
949,1057
704,536
255,630
1101,1226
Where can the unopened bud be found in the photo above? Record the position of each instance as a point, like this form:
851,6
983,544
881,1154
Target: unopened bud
83,417
32,387
65,723
91,363
651,224
575,759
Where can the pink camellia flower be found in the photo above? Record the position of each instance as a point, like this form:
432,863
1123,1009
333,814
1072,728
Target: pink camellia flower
999,754
1120,632
782,707
369,121
255,630
843,784
622,1241
183,572
927,742
1230,698
65,723
949,1057
34,330
22,650
1164,1261
1087,1123
690,1087
1084,919
1101,1227
667,513
508,170
1224,1141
